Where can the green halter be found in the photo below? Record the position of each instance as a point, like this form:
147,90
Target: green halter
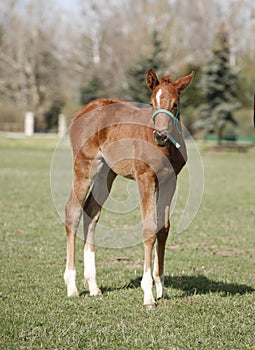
175,119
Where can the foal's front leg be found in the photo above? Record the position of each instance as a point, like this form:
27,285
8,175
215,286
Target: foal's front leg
146,189
158,271
164,197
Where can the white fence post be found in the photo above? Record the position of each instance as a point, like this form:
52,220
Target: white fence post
29,124
61,125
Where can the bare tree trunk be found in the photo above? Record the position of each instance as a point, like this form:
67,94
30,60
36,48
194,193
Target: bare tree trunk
220,135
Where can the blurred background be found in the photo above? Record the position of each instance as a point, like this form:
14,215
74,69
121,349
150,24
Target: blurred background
57,55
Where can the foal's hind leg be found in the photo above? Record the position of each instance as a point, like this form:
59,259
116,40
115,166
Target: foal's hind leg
81,183
92,210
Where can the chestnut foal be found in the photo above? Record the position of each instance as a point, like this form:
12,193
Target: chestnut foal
110,137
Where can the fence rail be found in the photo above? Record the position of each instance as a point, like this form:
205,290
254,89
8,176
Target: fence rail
27,127
239,139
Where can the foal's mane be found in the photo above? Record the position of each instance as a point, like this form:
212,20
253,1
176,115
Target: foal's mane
166,79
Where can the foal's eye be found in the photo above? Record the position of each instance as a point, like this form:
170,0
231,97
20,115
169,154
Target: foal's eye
175,106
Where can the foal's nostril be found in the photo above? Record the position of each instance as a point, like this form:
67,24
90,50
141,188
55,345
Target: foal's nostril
160,136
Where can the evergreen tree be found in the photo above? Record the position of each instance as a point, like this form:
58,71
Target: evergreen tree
137,89
91,90
219,89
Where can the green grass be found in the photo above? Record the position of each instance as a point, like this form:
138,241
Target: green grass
209,267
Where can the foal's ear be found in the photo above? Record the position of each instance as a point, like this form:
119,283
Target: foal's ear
151,79
183,82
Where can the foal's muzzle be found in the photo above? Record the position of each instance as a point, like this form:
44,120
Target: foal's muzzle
160,137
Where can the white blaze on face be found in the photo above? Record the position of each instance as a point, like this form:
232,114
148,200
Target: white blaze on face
158,97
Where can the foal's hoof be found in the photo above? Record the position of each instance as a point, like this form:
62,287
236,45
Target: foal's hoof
165,296
73,293
149,306
95,292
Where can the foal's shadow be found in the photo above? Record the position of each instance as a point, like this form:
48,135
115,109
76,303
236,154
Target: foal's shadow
200,284
191,285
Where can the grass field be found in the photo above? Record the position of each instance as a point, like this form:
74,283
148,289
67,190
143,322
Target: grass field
209,267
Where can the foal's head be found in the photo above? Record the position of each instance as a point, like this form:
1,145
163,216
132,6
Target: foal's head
165,101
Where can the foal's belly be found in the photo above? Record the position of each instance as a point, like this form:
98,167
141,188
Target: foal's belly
120,157
133,158
124,167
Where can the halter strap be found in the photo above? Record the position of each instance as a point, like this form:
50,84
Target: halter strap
170,114
175,119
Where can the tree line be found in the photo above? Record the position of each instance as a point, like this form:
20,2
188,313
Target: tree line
54,60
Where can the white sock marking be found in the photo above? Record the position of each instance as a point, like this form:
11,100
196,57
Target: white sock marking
89,264
146,285
159,283
69,277
90,271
